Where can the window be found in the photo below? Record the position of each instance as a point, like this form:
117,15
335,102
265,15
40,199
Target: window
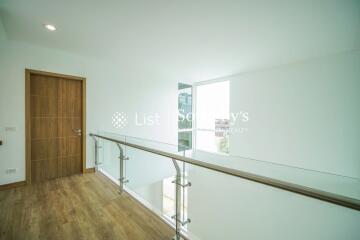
185,117
212,117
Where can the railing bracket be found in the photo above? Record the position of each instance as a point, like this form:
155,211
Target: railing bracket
123,180
183,223
182,185
124,158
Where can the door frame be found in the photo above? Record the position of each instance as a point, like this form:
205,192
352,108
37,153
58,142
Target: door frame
28,73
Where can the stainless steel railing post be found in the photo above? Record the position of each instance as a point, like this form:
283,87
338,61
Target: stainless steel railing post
122,178
96,152
177,201
179,183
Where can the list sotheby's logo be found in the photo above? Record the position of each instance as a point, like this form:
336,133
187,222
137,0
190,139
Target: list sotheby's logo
119,120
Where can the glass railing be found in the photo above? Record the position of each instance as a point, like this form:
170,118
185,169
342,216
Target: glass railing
208,200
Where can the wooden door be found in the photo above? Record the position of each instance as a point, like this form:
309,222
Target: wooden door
56,126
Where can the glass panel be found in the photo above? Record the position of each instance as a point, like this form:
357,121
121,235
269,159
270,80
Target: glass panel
169,197
109,159
168,207
342,185
150,177
219,204
150,180
108,156
231,208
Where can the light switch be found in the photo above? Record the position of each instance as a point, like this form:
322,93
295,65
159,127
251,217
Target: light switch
10,129
11,170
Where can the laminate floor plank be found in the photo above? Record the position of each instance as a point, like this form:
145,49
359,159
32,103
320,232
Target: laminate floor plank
84,206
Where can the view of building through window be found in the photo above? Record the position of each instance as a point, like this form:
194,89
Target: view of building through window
222,135
185,116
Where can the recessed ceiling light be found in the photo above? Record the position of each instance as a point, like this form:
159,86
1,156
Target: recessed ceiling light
50,27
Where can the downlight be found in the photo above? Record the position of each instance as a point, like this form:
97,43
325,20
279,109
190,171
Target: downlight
50,27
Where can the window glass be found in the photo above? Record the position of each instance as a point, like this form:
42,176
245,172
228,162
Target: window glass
185,140
212,103
185,107
212,117
212,141
168,197
185,117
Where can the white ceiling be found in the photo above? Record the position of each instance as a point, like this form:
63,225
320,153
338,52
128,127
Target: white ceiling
188,39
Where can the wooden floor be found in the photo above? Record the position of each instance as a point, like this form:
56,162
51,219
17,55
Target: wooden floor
78,207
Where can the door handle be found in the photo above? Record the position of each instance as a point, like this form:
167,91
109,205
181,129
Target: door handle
78,131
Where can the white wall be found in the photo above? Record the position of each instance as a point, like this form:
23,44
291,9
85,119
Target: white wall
2,33
304,114
110,88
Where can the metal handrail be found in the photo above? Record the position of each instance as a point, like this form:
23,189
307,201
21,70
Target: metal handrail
295,188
